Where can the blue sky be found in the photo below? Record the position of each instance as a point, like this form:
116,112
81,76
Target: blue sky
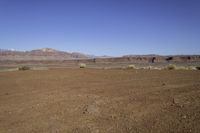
102,27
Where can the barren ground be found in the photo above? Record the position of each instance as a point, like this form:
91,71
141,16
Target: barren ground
100,101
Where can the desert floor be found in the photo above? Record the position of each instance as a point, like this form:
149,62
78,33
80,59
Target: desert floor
100,101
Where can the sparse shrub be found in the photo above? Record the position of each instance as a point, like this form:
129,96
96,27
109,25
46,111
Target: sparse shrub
197,67
23,68
150,68
182,68
131,66
171,67
186,68
169,59
82,65
39,68
192,68
157,68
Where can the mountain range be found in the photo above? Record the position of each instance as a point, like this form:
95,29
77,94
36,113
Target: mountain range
41,54
49,54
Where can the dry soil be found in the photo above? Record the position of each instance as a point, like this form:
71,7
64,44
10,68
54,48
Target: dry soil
100,101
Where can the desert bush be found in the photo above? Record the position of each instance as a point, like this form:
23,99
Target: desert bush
182,68
131,66
197,67
186,68
192,68
82,65
23,68
171,67
157,68
150,67
147,67
39,68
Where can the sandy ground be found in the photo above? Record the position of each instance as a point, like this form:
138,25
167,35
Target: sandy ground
100,101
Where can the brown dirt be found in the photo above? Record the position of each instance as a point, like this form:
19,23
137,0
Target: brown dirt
100,101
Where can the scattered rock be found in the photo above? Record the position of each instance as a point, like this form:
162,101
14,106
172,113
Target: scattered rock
184,116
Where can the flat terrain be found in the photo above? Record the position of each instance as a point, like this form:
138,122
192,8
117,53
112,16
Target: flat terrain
100,101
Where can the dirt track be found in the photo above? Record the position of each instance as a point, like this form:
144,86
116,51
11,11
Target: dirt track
100,101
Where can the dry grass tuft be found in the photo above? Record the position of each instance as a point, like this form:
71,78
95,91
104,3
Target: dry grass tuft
171,67
82,65
23,68
131,66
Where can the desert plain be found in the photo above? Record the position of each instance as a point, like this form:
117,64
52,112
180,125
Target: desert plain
74,100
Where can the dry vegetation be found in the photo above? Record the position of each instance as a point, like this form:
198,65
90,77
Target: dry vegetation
131,66
23,68
171,67
197,67
82,65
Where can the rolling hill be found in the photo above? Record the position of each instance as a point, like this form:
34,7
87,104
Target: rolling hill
40,54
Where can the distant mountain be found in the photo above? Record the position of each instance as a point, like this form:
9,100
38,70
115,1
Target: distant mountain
49,54
40,54
148,55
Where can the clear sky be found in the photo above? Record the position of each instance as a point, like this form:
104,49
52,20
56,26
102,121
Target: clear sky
102,27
